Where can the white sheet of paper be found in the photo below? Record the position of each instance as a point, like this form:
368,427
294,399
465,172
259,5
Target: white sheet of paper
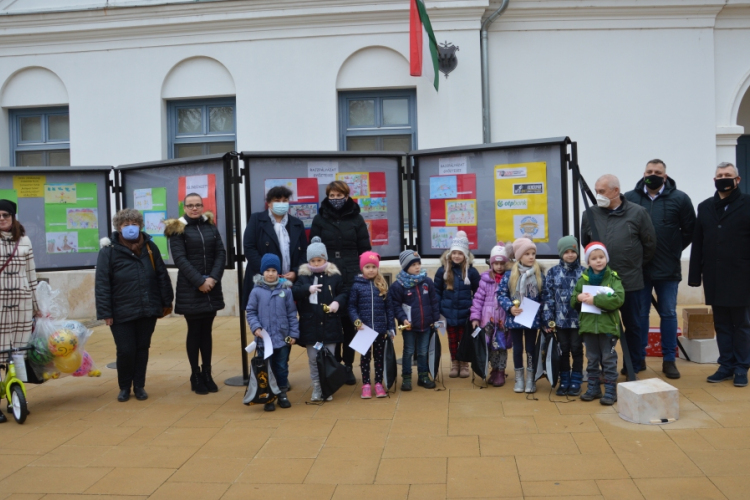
363,340
476,332
197,184
267,343
251,346
324,171
407,310
593,290
452,166
530,308
314,296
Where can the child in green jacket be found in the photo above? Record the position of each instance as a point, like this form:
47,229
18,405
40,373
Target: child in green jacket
600,331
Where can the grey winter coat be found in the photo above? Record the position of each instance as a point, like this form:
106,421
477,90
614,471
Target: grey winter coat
673,216
629,237
272,309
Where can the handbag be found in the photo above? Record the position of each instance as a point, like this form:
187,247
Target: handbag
331,373
261,385
390,370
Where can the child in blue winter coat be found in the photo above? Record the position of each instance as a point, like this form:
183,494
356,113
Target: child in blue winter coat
525,280
560,283
271,308
369,306
417,306
456,281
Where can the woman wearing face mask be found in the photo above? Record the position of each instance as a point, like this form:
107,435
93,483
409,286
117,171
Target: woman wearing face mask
17,281
344,233
198,252
274,231
133,289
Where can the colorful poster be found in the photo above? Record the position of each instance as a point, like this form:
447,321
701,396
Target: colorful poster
460,212
29,186
153,222
373,208
290,184
62,242
162,244
82,218
441,237
143,199
59,193
358,182
306,212
521,207
10,195
444,187
378,230
202,185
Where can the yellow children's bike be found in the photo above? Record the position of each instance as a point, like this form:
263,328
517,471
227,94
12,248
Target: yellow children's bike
12,388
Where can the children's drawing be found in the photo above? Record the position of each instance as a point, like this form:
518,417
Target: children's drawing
62,242
441,237
460,212
83,218
306,212
60,193
143,199
358,182
154,222
291,184
443,187
373,208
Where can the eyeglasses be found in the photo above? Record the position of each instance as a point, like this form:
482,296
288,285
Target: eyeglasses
6,216
191,207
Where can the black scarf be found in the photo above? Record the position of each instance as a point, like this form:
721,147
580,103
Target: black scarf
721,204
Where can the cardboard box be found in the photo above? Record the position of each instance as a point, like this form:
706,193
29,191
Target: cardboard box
698,323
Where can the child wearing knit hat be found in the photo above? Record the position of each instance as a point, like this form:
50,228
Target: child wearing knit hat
456,281
369,306
600,331
525,280
320,294
561,280
271,308
485,310
416,306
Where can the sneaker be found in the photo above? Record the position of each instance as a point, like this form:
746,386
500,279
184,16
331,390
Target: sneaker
425,381
366,392
317,393
269,407
670,369
350,378
719,376
284,401
406,383
380,391
740,379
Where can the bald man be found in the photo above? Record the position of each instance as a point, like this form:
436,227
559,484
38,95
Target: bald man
626,230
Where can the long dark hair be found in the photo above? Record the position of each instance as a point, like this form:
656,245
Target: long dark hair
16,230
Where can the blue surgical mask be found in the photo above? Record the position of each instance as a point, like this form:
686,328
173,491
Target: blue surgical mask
280,207
130,232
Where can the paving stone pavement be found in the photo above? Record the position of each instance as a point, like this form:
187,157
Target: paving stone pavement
463,442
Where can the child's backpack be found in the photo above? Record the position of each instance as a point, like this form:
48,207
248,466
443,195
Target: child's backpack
390,371
261,386
331,373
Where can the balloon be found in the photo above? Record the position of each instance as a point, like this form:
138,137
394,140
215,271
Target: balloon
40,355
62,343
69,364
86,364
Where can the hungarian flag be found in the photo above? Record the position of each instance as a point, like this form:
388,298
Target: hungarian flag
419,23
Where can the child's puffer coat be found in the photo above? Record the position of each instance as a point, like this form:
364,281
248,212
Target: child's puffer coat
561,280
455,304
315,324
506,302
273,309
485,307
367,305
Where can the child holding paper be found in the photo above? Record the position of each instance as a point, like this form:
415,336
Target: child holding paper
561,280
524,281
456,282
369,306
601,329
319,283
271,308
416,305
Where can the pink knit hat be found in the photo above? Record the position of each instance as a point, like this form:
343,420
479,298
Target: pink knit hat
499,253
521,246
369,258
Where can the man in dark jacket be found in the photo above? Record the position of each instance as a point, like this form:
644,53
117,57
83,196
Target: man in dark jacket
263,233
720,257
673,216
626,230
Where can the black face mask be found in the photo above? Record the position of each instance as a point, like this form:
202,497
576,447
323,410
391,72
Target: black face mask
724,185
654,181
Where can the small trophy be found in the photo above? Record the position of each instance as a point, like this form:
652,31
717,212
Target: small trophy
517,303
551,325
401,328
326,309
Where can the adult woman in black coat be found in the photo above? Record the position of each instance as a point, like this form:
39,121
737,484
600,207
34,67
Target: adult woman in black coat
133,289
198,253
344,233
273,231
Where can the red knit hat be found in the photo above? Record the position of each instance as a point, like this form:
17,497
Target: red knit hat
369,258
595,245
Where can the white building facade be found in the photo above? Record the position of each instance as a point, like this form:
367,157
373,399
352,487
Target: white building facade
144,80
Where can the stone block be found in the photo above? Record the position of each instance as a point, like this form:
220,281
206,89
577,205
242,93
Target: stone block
700,350
648,401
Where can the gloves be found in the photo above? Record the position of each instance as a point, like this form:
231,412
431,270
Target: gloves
315,289
333,306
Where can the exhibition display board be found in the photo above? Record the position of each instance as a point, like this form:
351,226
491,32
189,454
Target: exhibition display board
374,179
65,211
157,189
493,192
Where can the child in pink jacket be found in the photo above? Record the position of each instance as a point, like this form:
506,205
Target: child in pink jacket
485,309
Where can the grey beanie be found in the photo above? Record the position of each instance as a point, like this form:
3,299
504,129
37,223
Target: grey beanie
407,258
316,248
567,243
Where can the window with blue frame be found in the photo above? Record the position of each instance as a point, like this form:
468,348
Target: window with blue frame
201,127
40,137
378,120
